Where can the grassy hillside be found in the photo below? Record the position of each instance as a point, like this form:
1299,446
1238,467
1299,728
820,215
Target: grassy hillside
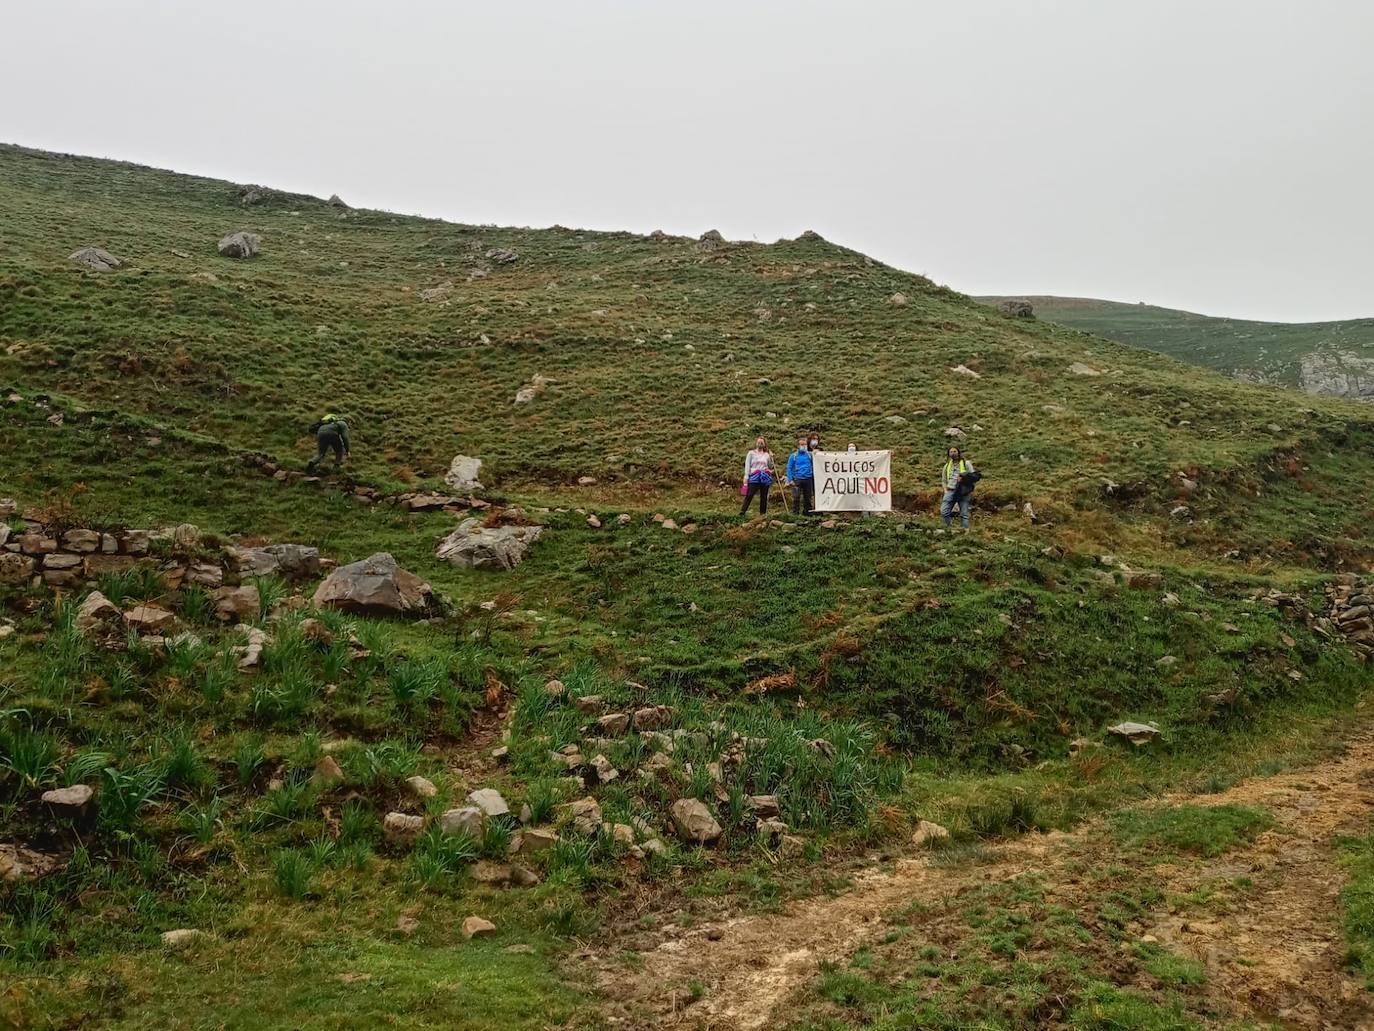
947,676
1333,358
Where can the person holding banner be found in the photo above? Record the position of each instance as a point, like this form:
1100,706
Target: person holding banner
801,473
758,476
955,477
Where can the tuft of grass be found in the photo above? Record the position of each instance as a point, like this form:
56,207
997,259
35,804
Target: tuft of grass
1171,969
292,872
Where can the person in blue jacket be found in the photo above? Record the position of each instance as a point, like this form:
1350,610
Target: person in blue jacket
801,473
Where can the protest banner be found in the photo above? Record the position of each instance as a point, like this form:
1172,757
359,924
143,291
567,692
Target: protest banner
853,481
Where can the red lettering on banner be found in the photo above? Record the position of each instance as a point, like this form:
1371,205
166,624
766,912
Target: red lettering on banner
878,486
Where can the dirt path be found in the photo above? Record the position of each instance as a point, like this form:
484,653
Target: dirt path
1278,957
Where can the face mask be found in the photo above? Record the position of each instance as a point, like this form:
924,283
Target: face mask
814,443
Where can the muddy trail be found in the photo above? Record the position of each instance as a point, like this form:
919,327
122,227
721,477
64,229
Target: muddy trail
1275,957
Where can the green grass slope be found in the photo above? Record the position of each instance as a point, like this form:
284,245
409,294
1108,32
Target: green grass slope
1333,358
662,359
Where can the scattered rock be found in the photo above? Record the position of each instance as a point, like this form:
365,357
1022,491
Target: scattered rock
148,619
489,800
475,926
651,717
614,723
237,604
590,704
926,831
377,585
537,839
710,240
95,610
466,820
95,259
240,245
897,299
71,803
585,814
421,787
463,472
402,828
605,772
183,937
1136,733
476,546
249,655
1080,369
964,370
764,807
502,255
328,771
1017,308
694,822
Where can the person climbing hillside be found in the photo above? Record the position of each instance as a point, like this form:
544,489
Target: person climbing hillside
801,473
957,477
758,476
331,434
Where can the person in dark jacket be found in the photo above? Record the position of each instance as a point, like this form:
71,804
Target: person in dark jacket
331,434
801,473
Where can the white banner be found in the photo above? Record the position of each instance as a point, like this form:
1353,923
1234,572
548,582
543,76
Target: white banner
853,481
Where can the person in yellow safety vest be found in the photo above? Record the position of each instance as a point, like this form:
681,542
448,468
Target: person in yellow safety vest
956,467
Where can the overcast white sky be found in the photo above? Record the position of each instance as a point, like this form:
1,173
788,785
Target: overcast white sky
1214,155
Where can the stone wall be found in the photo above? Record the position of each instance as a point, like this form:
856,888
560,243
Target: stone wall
1352,611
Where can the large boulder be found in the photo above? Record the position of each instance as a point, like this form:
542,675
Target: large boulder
1017,308
95,259
463,472
375,586
291,561
240,245
476,546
